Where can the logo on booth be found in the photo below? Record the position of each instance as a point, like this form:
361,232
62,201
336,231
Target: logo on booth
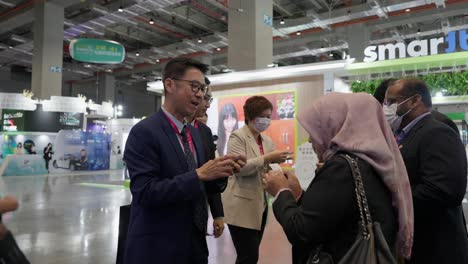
417,48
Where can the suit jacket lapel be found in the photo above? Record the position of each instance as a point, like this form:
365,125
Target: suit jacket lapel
411,135
172,137
253,141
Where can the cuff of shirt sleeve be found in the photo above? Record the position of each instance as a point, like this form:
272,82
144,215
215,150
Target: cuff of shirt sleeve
280,191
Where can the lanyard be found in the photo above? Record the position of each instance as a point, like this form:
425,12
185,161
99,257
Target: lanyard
189,135
195,124
260,145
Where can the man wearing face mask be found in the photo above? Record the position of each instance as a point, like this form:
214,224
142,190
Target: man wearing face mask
379,94
244,200
435,159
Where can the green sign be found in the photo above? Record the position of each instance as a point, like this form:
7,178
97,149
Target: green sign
97,51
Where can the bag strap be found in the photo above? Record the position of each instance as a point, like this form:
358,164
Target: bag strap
361,198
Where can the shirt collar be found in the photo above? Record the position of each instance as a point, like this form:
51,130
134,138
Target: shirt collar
408,127
179,125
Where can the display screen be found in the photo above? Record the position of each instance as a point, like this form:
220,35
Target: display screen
12,120
70,119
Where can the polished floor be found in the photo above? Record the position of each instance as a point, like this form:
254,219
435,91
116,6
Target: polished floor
74,219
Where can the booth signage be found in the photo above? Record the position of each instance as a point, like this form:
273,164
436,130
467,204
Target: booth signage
417,48
97,51
12,120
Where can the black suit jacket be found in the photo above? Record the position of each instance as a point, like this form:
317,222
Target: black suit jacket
327,213
444,119
216,186
435,159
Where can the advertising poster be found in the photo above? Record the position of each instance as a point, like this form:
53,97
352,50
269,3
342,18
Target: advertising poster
77,150
226,115
12,120
70,119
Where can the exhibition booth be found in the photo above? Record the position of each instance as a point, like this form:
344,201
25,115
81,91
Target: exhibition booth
28,126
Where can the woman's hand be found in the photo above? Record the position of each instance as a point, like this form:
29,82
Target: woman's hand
276,156
275,181
294,185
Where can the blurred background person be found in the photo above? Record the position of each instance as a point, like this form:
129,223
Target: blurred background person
19,150
228,122
48,151
327,214
245,200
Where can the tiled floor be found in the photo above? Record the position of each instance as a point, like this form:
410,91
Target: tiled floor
74,219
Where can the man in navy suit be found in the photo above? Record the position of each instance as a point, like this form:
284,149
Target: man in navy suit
218,186
163,155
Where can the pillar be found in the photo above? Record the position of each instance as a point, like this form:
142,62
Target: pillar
250,34
48,49
358,40
106,88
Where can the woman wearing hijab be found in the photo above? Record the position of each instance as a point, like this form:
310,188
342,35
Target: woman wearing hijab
326,214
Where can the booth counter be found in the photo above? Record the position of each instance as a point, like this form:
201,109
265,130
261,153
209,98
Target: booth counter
20,165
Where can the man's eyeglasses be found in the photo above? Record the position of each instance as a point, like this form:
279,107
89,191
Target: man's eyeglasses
196,85
208,98
390,101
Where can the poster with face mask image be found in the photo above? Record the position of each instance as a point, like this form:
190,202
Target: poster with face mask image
226,115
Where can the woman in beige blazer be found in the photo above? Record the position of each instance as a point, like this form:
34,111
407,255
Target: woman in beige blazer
244,200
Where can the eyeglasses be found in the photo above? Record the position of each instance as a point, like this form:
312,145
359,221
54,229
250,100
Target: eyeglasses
196,85
208,98
390,101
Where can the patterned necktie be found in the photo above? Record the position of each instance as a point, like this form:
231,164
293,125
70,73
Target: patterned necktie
200,214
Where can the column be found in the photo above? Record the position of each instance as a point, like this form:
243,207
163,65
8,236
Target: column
106,88
250,34
48,49
358,40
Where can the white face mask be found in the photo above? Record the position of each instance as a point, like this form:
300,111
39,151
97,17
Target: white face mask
261,124
393,119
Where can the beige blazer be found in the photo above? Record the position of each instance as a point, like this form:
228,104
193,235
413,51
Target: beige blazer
243,199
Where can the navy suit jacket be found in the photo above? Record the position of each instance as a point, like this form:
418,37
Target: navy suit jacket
164,193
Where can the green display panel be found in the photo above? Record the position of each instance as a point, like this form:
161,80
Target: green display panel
97,51
409,64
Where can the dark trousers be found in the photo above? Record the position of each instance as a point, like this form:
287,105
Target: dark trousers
47,164
247,241
199,248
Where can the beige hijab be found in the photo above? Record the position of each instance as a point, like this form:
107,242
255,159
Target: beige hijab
355,123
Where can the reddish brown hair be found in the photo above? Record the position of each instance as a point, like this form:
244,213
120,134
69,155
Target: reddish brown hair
254,106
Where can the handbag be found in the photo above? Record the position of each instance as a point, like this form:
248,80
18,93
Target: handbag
370,246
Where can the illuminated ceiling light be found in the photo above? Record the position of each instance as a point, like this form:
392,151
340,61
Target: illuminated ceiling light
137,54
157,60
199,40
407,10
331,54
218,49
120,9
419,31
282,21
298,33
151,21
